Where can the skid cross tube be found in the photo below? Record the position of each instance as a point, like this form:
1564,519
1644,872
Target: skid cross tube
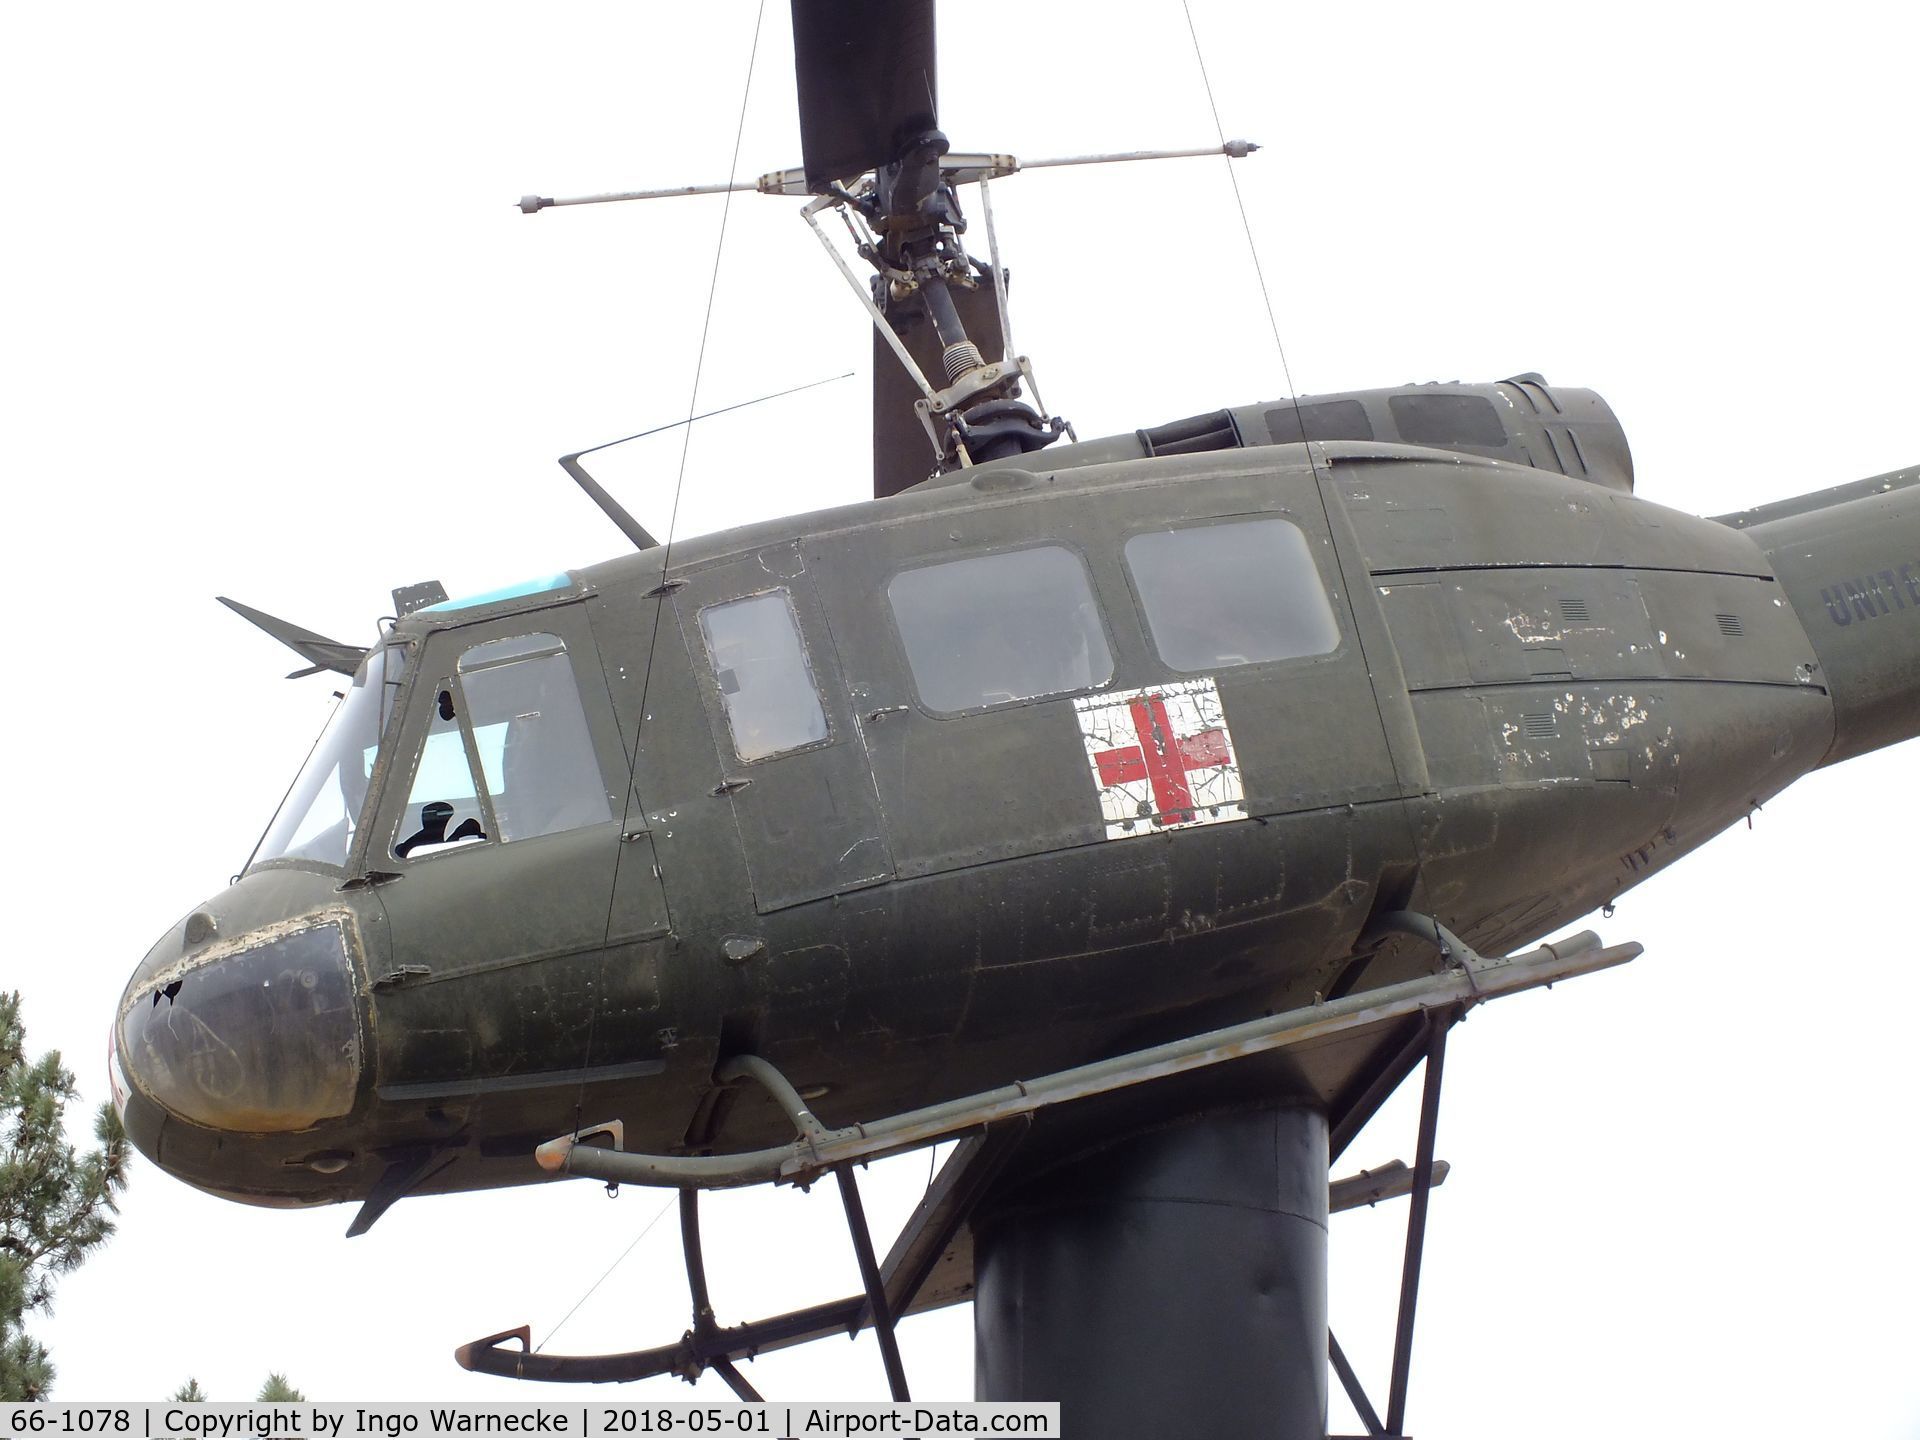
705,1331
1473,980
752,1067
992,1124
695,1257
905,1274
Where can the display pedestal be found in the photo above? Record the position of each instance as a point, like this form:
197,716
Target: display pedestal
1172,1282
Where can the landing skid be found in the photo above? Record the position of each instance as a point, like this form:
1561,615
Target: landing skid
1369,1041
930,1266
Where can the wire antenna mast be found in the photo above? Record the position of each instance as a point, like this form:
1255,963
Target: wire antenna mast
641,537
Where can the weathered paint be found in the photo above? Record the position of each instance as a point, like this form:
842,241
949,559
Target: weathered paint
1161,757
1544,691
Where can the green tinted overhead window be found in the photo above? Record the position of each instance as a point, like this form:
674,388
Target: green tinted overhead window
760,665
1232,594
991,629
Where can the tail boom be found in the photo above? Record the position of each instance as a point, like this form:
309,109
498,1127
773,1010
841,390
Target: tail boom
1848,561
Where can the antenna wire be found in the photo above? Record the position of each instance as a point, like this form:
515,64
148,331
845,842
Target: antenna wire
1286,371
1293,394
666,552
645,1230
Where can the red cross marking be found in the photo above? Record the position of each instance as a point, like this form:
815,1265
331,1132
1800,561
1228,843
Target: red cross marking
1163,758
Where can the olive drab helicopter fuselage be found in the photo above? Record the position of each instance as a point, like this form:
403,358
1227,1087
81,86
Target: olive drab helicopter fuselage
1137,812
1036,762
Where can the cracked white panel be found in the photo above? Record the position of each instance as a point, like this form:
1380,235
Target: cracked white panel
1161,758
1106,727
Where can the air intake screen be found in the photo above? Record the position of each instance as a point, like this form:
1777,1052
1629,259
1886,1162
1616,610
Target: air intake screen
1324,420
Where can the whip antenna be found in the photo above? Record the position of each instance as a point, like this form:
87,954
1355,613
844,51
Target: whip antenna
618,513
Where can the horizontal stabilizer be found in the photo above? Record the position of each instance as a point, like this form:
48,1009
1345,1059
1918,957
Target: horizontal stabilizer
319,652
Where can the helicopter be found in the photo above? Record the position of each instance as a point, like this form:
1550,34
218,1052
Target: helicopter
459,684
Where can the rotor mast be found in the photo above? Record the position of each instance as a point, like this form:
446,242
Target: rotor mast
873,151
867,83
908,225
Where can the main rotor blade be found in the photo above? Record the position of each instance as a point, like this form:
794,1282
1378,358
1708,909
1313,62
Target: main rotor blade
866,75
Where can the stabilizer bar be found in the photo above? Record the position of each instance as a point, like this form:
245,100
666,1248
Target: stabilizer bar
957,169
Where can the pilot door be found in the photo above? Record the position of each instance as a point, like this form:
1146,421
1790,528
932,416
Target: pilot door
792,758
499,843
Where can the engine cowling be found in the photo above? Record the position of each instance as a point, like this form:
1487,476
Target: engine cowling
1523,420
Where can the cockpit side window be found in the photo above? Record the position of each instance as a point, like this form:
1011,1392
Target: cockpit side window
507,755
760,665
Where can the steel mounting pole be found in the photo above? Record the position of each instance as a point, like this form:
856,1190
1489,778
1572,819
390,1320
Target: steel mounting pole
1437,1027
876,1284
1171,1281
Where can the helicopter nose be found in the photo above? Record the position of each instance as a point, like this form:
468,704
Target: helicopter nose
258,1036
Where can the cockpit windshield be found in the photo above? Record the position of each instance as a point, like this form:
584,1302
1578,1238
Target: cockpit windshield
316,821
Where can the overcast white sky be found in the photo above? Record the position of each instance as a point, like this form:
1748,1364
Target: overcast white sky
274,329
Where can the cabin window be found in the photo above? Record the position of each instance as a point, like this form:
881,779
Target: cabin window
513,710
991,629
760,665
1231,594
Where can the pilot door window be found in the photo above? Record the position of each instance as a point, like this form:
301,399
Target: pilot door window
1232,594
760,665
992,629
514,709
